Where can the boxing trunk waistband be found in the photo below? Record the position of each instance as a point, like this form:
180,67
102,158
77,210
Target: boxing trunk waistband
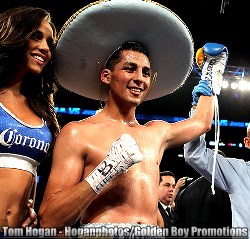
120,230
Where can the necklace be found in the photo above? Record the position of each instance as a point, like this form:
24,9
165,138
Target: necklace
126,122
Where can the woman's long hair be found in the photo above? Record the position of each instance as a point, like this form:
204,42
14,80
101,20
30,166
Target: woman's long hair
16,27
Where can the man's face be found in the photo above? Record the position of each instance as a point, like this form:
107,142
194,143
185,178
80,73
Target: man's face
247,139
166,190
131,77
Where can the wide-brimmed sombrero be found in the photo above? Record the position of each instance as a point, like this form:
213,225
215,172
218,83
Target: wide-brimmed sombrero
96,30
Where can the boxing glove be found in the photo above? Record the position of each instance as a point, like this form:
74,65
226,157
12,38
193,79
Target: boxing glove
122,155
212,59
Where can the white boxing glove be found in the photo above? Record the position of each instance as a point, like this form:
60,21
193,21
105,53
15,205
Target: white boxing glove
212,59
122,155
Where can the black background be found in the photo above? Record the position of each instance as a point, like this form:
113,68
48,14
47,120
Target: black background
206,24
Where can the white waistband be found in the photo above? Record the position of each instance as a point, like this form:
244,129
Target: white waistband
120,225
119,230
18,162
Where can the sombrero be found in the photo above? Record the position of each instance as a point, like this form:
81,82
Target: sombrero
96,30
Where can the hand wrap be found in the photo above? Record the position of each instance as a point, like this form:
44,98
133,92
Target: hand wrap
122,155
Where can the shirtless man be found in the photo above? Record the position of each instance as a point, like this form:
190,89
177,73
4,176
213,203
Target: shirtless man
131,197
106,168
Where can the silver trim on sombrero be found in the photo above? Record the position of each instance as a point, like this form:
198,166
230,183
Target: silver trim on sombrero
79,72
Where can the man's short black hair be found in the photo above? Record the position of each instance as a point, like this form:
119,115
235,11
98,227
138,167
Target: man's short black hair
166,173
115,57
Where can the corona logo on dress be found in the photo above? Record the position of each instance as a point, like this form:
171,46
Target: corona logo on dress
10,137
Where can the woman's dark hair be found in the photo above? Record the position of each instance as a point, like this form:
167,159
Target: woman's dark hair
16,27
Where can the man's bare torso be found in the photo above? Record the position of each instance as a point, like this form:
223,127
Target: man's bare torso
132,196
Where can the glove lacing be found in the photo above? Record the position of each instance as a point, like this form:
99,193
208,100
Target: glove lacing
217,138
